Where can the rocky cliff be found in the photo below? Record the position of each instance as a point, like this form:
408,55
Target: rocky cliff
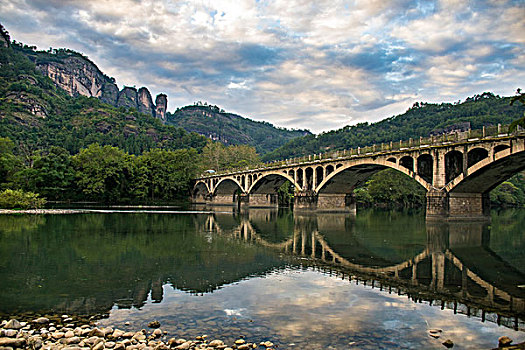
79,76
162,105
127,97
4,37
144,102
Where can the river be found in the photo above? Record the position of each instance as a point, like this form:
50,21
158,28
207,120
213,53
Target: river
378,280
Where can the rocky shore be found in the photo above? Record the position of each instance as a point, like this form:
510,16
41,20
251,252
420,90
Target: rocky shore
67,333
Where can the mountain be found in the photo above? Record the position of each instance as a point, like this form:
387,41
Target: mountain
232,129
46,98
36,112
422,119
77,75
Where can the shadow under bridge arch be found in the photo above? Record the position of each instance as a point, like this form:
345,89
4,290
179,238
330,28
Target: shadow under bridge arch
227,191
348,177
200,191
264,191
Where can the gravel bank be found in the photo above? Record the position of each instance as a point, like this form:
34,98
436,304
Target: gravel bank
66,333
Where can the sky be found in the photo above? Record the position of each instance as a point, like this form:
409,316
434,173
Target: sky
317,65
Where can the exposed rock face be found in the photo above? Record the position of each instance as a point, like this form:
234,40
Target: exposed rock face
28,103
78,76
145,102
109,94
161,101
127,97
3,41
4,37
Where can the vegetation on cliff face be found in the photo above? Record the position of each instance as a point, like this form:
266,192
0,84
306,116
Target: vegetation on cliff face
232,129
36,115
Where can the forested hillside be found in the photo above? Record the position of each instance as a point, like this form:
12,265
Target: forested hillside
419,120
35,114
232,129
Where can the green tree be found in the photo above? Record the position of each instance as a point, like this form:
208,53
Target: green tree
520,97
390,187
216,156
54,174
18,199
163,174
9,163
104,173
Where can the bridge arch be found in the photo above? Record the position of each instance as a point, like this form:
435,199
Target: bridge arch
453,165
319,175
346,178
500,148
489,172
227,190
425,167
200,191
270,183
407,162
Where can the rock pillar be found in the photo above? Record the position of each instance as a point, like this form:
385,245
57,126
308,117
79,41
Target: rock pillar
161,106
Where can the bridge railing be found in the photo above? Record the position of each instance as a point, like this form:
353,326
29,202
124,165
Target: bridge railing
487,132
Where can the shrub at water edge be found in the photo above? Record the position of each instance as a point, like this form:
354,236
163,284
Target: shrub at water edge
18,199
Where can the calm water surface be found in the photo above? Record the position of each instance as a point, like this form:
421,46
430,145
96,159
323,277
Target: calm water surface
326,281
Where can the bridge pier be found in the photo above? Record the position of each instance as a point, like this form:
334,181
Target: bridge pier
336,202
469,205
221,199
199,199
452,205
263,200
325,202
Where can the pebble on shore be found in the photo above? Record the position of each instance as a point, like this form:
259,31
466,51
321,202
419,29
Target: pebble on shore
44,334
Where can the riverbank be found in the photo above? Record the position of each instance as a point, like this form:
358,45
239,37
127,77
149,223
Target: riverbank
69,333
42,211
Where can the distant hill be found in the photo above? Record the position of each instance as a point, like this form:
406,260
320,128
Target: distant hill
421,119
232,129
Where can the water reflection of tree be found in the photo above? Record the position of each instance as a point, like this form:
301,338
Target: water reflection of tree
18,223
86,263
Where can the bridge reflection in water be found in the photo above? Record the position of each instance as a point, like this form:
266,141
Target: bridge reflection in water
454,268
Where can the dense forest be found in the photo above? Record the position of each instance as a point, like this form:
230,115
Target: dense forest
108,174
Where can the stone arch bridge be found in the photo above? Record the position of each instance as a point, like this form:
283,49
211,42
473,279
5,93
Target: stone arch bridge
457,175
